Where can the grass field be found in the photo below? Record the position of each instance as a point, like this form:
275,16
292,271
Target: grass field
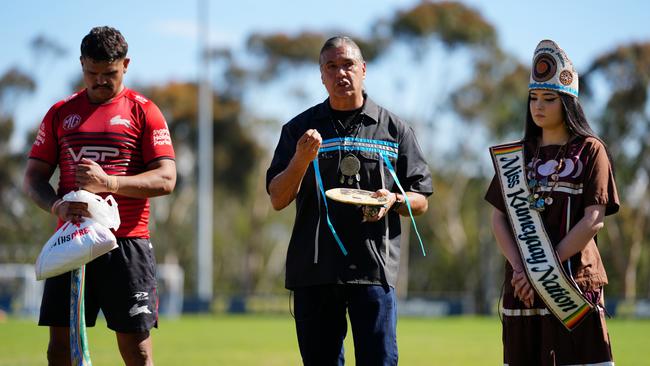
270,340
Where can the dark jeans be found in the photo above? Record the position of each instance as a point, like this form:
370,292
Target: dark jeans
321,324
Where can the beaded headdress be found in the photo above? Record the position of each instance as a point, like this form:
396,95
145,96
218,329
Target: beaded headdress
552,70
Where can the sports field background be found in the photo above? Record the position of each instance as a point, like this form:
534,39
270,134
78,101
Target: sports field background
251,340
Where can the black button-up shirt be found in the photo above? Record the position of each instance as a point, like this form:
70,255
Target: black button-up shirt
314,257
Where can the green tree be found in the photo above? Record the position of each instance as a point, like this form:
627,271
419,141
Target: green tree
21,222
624,123
236,165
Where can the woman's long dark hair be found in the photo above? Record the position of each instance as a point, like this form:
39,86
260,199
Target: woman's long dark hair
574,117
575,120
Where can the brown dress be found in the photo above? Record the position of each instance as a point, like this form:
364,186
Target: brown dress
533,336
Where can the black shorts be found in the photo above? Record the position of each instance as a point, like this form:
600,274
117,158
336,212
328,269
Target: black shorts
122,283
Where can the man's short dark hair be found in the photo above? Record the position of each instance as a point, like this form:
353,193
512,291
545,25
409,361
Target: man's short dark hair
340,41
104,44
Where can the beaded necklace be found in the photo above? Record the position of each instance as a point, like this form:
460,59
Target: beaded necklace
539,198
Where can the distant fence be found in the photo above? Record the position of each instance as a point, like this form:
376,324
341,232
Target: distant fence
20,294
420,306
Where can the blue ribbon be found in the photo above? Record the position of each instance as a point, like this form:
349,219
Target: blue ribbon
406,199
319,180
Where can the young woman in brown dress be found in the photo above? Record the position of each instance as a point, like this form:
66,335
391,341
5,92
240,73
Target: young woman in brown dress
571,180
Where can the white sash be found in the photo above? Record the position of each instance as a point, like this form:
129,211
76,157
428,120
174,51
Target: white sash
543,267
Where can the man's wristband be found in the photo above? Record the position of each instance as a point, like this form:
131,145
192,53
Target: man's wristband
112,185
399,201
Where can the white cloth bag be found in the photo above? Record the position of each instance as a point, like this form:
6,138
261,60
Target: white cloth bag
72,245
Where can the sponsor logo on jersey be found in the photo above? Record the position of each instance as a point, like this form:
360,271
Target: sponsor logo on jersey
95,153
70,97
161,137
118,120
71,122
40,136
141,99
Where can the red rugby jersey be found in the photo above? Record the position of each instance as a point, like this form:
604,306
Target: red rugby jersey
123,136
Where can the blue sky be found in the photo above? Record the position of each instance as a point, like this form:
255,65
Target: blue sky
163,45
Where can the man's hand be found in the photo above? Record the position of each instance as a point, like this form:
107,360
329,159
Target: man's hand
308,145
370,213
91,177
284,187
70,211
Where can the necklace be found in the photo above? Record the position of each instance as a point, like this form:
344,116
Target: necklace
350,164
539,198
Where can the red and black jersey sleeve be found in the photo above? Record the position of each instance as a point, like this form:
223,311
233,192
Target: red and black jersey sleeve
45,146
156,139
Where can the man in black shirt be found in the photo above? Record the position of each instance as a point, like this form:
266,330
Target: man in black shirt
343,258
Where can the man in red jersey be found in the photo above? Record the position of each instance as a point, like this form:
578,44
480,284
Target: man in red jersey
106,139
